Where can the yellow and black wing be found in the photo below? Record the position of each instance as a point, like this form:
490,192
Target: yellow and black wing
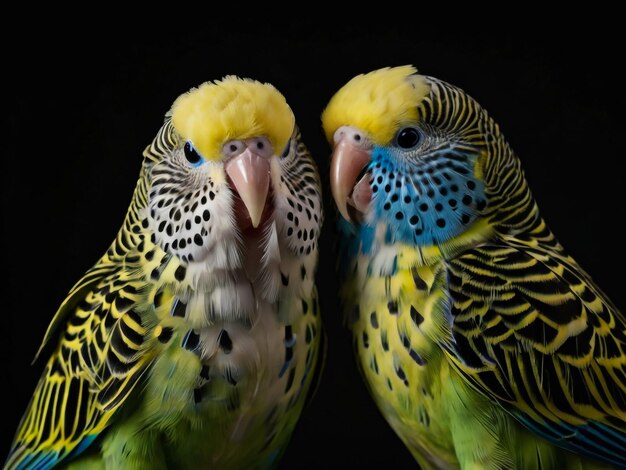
532,332
97,362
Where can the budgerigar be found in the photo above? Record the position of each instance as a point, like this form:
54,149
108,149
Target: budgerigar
192,343
482,342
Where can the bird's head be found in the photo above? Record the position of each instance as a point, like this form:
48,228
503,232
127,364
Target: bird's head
240,125
228,163
412,153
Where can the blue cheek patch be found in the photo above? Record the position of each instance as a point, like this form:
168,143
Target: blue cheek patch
427,201
423,202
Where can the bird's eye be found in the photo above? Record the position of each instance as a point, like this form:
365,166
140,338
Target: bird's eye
408,138
192,155
286,151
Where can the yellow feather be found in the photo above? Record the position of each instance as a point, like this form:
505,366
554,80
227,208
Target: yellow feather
232,109
378,103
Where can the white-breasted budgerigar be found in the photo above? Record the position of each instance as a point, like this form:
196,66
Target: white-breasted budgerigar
193,341
482,342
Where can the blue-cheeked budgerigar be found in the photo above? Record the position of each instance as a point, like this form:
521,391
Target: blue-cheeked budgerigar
481,341
193,341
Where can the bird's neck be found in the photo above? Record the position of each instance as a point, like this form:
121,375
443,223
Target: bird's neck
370,250
512,213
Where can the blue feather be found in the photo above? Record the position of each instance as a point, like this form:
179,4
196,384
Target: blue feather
424,202
594,440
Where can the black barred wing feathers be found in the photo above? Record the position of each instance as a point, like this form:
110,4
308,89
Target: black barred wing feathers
96,364
532,331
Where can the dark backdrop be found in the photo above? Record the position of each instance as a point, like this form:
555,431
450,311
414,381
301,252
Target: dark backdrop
78,121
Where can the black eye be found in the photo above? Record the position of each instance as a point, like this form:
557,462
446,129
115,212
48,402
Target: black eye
191,154
286,151
408,138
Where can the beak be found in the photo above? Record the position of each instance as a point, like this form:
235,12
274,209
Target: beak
351,155
250,177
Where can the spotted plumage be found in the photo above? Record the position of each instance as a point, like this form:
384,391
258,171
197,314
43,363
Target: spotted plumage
193,341
482,342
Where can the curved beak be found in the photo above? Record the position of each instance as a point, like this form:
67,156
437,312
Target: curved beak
250,176
349,160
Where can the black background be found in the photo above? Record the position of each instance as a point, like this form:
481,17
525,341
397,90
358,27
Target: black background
78,121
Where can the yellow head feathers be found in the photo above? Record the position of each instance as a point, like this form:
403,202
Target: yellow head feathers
229,109
378,102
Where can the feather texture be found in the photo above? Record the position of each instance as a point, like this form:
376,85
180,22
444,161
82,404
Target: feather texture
482,342
185,345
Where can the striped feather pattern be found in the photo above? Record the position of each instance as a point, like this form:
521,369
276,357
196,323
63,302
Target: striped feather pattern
514,358
157,357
